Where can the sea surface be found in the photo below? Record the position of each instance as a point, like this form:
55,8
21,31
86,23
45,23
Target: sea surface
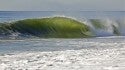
104,52
6,16
11,46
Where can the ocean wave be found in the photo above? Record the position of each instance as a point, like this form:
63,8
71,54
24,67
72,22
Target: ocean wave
51,27
62,27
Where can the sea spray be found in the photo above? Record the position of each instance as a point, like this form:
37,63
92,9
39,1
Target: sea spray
107,27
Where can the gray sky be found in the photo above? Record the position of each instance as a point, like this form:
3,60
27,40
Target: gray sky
62,5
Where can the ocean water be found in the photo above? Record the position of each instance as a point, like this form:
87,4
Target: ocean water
6,16
107,18
54,53
113,21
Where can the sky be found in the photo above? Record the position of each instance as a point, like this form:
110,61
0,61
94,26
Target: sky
62,5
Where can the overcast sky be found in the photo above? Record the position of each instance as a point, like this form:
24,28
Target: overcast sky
62,5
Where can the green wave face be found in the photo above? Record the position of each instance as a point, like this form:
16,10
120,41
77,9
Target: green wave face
5,29
55,27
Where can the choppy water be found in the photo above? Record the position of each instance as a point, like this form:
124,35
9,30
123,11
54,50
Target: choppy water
31,45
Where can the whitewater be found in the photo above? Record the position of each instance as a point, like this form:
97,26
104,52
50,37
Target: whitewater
63,54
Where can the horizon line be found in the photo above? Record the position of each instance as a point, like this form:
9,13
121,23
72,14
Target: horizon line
62,11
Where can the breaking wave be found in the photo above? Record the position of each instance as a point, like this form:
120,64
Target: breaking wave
62,27
108,27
